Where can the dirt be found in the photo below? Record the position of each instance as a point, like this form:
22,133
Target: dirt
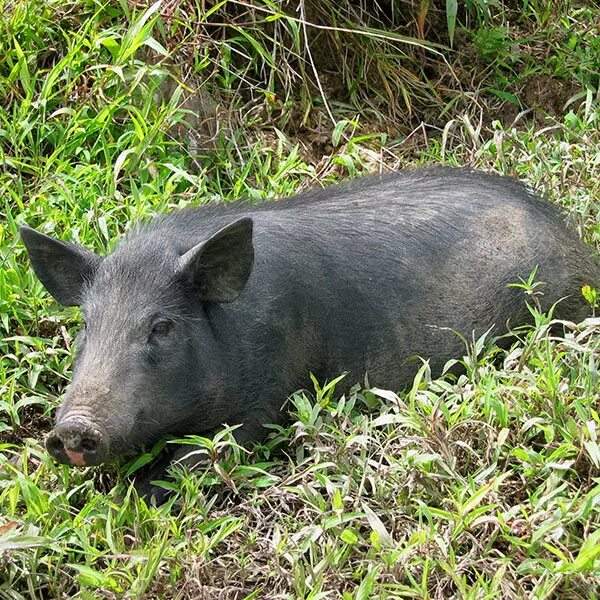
35,423
548,95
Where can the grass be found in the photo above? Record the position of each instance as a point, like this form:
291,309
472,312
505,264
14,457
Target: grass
481,486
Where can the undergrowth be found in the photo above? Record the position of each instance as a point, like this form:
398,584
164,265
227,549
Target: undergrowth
481,486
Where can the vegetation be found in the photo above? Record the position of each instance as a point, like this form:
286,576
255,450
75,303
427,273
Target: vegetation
485,485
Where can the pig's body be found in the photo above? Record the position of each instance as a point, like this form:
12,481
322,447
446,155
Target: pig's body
358,278
362,276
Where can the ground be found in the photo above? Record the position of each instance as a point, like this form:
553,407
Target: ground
484,485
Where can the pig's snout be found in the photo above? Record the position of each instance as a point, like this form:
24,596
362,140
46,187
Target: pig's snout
77,442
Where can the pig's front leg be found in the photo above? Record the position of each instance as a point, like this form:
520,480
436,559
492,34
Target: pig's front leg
190,457
193,457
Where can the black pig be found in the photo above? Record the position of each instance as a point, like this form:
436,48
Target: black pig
215,314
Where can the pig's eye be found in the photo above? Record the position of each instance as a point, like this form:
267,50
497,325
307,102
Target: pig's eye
160,328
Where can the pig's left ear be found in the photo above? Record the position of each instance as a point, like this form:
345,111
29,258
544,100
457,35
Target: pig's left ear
219,267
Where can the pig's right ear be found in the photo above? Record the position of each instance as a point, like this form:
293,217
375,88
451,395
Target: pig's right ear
62,267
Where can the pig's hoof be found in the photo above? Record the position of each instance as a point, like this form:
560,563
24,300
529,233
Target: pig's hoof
153,494
187,458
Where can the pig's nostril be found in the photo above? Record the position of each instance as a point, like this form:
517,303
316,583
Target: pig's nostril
55,445
89,444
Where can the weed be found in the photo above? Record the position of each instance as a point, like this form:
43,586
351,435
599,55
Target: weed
482,483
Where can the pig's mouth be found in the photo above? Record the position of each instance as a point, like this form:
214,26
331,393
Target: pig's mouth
79,441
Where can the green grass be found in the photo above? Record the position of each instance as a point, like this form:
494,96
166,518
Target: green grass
481,486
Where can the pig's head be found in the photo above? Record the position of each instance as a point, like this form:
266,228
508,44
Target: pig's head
150,360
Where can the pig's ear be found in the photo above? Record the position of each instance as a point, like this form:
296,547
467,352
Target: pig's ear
62,267
219,267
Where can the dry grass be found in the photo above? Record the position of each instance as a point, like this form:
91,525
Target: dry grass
485,486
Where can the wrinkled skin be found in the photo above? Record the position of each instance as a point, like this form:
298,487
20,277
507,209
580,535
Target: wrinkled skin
216,314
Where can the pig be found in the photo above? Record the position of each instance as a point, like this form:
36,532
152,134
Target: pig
215,314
